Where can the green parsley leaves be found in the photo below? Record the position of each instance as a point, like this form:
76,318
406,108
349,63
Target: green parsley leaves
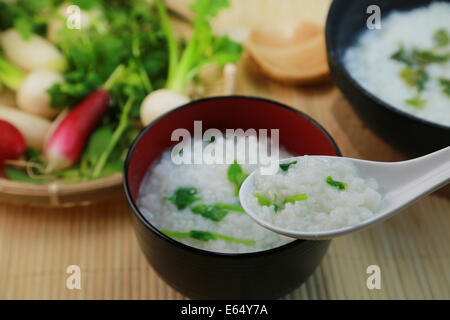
183,197
285,166
206,236
416,61
337,184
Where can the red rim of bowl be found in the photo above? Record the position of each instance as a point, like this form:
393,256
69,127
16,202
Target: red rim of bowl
179,244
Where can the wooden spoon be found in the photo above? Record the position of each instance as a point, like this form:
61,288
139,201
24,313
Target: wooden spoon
290,53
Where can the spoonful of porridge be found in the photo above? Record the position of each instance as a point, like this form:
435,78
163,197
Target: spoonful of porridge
321,197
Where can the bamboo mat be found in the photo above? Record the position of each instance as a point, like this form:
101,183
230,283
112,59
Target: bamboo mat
36,246
412,249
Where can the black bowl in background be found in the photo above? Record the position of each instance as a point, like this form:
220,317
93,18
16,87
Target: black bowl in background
346,21
204,274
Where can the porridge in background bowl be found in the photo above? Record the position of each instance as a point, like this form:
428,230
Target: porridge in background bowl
406,63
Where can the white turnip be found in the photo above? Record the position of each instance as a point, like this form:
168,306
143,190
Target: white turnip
159,102
31,54
32,95
33,128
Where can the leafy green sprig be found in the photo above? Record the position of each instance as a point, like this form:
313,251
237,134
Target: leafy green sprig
201,49
285,166
206,236
337,184
184,197
279,205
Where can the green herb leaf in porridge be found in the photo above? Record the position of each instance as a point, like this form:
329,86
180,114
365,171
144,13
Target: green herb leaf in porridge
212,212
416,102
205,236
276,207
441,38
262,200
295,198
202,235
424,57
236,175
401,55
231,207
183,197
338,184
445,84
414,78
285,166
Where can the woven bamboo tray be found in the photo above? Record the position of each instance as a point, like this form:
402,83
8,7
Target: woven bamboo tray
59,193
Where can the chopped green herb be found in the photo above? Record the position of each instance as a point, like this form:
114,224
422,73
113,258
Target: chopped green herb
236,176
183,197
337,184
403,56
231,239
262,200
285,166
424,57
231,207
414,78
212,212
441,38
414,74
205,236
445,84
202,235
175,233
416,102
295,198
276,207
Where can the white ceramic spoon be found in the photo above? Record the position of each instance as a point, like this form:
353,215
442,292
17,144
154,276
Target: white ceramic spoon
401,183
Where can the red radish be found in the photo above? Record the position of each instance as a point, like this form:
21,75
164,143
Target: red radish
12,142
65,146
66,143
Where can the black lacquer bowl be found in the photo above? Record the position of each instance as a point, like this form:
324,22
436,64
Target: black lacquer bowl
346,21
203,274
